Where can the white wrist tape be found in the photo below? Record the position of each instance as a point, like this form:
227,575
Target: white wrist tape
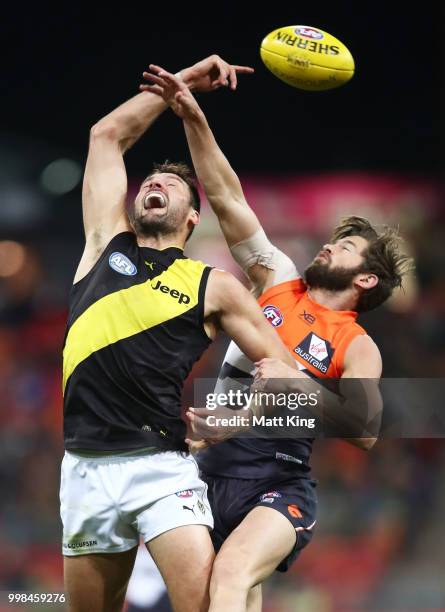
259,250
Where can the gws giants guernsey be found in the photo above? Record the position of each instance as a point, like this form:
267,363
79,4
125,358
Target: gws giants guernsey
317,338
135,329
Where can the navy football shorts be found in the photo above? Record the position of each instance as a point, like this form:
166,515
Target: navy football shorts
231,499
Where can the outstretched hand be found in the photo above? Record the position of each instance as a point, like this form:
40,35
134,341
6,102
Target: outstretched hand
211,73
173,90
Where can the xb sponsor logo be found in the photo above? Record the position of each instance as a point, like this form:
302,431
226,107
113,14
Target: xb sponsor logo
120,263
307,317
273,315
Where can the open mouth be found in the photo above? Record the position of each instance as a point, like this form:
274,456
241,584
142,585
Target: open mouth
155,199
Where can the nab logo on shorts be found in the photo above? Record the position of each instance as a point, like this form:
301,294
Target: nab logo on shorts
316,351
273,315
120,263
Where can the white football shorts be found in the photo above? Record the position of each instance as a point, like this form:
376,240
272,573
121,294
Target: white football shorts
108,503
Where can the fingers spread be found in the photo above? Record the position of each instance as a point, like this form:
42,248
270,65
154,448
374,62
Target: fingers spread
153,88
168,76
154,78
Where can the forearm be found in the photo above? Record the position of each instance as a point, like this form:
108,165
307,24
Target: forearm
220,182
126,123
354,414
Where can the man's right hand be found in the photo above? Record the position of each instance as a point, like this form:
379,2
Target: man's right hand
174,92
208,74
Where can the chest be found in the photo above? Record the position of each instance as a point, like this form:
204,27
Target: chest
310,335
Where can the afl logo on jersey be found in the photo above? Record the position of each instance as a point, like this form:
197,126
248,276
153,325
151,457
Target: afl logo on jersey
120,263
273,315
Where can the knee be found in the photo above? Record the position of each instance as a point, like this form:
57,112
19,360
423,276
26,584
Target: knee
232,570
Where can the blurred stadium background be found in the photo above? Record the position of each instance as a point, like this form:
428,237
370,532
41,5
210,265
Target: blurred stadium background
370,148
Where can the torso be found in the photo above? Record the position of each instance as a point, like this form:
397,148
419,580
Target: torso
317,337
135,328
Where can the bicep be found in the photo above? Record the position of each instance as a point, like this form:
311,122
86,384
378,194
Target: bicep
359,386
362,359
240,316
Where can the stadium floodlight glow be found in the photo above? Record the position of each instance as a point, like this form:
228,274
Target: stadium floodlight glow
61,176
12,258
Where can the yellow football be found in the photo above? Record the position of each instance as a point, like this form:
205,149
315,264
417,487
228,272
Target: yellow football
307,58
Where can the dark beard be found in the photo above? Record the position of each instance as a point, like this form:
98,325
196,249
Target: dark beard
155,227
321,276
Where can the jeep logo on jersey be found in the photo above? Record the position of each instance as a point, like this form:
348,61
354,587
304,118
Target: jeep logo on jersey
273,315
316,351
182,298
120,263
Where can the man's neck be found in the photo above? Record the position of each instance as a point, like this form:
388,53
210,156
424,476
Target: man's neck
161,242
335,300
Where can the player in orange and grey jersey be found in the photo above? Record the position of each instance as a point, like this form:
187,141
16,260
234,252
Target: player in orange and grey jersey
260,489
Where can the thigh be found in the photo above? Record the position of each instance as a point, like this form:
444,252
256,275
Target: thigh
184,557
259,543
98,582
297,503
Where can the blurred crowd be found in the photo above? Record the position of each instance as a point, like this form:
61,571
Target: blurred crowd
379,539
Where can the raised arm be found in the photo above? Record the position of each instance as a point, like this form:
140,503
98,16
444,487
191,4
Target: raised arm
261,261
105,180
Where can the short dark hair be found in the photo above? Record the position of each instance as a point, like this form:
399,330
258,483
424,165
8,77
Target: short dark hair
383,257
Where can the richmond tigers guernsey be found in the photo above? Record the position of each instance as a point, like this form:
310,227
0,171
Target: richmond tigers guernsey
317,337
135,329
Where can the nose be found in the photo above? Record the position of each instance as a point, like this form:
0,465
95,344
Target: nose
155,184
328,248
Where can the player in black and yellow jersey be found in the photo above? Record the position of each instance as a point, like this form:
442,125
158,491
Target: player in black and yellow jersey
141,313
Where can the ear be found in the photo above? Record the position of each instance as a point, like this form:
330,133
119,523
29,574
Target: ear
366,281
194,217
